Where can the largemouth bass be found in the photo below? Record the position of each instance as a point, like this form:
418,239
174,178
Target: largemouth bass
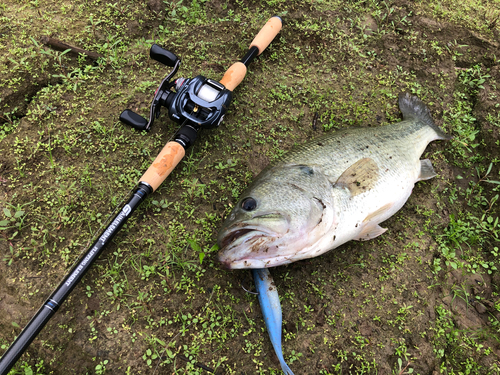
328,191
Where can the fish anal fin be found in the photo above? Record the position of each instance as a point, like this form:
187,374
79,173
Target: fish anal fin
426,170
359,177
370,231
379,214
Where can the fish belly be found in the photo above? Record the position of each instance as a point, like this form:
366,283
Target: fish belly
359,216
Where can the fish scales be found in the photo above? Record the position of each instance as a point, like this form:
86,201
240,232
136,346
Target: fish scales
328,191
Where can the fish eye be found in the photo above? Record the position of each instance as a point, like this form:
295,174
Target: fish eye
249,204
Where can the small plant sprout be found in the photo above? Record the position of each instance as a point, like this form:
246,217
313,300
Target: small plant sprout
403,370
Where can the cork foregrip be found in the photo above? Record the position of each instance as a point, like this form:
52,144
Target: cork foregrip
164,163
267,34
234,75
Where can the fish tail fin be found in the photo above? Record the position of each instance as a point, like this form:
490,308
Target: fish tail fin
426,170
412,107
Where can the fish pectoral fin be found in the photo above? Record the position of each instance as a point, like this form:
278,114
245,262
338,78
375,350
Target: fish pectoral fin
359,177
380,214
370,231
426,170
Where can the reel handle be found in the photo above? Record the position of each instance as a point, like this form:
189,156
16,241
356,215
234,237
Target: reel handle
138,122
236,72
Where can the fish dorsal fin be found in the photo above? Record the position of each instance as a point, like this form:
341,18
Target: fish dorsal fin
426,170
359,177
412,108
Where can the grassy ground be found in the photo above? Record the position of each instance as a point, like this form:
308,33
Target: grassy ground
423,298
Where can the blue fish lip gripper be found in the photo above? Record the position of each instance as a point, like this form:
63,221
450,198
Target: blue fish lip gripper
271,310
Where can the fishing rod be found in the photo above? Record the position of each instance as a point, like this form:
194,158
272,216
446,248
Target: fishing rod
195,103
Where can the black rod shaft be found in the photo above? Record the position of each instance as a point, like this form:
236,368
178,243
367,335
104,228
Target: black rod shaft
251,54
28,334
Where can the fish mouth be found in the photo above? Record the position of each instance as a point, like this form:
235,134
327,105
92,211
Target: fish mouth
234,235
235,232
245,239
239,236
244,264
240,243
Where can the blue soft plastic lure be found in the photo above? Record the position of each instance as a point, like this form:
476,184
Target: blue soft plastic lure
271,309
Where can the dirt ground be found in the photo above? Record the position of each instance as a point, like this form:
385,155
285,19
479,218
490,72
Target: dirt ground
423,298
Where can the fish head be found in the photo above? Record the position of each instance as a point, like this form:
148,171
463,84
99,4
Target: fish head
275,219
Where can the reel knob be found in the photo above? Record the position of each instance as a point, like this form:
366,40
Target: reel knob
134,120
162,55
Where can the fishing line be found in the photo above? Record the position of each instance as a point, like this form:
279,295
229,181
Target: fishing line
241,284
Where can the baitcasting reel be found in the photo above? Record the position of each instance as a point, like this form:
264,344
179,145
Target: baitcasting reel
199,102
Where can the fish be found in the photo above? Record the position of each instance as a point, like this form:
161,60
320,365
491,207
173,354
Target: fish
329,191
271,310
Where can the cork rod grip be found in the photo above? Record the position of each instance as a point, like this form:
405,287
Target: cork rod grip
267,34
234,75
236,72
164,164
